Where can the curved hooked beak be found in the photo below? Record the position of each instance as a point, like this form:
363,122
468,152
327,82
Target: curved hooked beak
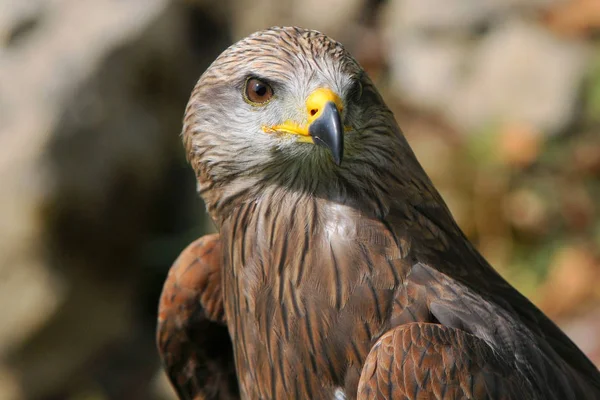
324,127
327,131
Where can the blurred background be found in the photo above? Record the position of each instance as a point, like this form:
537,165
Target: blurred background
500,100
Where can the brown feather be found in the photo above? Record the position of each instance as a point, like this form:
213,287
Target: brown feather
192,336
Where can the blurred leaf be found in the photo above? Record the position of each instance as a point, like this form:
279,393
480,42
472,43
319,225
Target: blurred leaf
519,145
574,273
574,17
482,145
593,91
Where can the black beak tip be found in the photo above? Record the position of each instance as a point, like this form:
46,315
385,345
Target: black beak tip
336,153
337,159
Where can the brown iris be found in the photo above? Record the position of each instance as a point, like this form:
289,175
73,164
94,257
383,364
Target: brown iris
257,92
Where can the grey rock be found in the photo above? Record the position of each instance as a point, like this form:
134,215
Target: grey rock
514,72
521,73
427,72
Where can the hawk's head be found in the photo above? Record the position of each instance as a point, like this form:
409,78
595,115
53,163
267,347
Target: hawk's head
288,105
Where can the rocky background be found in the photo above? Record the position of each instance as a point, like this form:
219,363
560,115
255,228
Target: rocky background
499,98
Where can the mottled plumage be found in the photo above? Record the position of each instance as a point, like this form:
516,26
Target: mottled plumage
345,281
192,336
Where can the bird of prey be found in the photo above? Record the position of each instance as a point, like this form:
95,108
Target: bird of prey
337,271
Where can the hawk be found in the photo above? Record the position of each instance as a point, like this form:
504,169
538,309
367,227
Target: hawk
337,271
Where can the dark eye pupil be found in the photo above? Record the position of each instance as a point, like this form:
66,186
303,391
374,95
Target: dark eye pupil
260,89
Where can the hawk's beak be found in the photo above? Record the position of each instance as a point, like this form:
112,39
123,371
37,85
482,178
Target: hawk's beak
324,128
327,130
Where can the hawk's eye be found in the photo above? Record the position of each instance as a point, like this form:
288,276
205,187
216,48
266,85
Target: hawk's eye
257,91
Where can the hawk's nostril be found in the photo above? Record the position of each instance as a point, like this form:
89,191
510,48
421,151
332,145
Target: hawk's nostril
313,112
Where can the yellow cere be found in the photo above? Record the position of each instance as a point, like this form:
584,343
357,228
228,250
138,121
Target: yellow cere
314,105
317,100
